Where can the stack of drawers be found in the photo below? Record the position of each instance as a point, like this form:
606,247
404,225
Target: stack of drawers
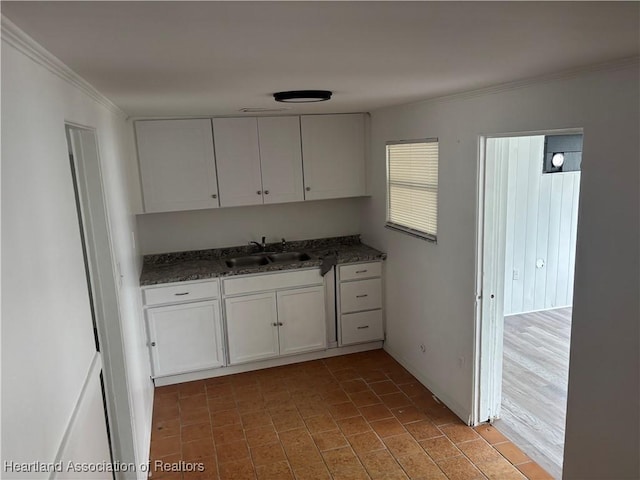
360,303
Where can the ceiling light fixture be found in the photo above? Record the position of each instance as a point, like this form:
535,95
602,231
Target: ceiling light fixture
302,96
557,160
263,110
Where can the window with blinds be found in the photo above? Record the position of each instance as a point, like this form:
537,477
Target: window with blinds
412,187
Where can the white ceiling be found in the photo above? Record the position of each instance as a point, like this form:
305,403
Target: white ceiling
192,58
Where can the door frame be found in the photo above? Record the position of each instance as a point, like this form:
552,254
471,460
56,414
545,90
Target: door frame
489,288
104,280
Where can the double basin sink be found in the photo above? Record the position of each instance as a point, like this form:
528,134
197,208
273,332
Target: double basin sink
258,260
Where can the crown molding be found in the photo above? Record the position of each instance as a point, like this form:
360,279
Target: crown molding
618,64
12,35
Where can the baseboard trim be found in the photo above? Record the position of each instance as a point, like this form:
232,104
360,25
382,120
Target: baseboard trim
538,310
274,362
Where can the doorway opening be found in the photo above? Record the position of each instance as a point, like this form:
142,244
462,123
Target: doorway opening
529,194
116,445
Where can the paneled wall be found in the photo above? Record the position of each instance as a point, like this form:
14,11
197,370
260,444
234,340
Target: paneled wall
542,219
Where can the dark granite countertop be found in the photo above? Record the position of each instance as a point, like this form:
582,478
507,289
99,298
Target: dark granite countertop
203,264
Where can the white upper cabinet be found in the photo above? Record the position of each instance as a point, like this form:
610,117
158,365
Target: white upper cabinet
177,165
250,161
333,151
238,160
281,159
259,160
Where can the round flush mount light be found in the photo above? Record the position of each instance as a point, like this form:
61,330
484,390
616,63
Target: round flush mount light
557,160
302,96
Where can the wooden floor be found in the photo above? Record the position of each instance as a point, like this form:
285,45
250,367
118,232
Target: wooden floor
534,390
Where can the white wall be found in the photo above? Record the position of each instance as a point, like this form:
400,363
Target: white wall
47,339
226,227
541,224
431,287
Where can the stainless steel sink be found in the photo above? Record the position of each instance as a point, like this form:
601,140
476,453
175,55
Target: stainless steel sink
289,257
248,261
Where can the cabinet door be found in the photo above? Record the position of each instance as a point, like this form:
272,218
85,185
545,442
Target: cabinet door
281,159
303,325
252,327
238,160
185,337
177,165
333,154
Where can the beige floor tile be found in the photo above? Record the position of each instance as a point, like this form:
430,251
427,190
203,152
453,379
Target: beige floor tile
459,433
440,448
402,445
420,465
363,443
353,425
423,429
459,468
361,415
512,453
330,440
267,453
490,434
388,427
479,451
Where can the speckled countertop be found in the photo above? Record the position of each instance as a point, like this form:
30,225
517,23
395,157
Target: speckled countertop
202,264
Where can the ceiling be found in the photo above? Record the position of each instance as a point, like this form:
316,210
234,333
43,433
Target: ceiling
214,58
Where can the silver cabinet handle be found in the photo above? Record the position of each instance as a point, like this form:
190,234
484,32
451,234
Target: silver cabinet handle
180,294
362,296
266,192
361,271
363,327
259,192
214,196
308,189
153,344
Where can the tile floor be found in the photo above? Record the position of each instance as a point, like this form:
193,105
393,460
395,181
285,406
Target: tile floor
359,416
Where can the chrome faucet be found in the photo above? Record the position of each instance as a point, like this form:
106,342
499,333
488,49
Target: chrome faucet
262,246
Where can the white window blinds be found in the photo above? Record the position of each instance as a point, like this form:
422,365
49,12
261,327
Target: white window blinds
412,190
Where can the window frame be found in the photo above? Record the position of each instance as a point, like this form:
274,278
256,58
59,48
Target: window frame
429,237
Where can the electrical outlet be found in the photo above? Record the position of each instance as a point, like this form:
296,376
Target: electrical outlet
516,274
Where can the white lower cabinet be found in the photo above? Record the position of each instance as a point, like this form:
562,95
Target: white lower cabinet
359,306
185,337
265,316
252,327
361,327
301,319
283,322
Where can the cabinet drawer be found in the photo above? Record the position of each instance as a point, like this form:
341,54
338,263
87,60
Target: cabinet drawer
272,281
360,270
180,292
361,327
360,295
